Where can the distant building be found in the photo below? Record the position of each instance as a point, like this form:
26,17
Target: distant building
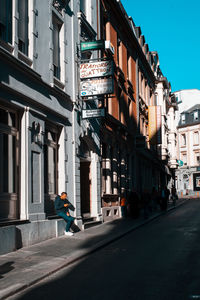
168,106
186,99
188,130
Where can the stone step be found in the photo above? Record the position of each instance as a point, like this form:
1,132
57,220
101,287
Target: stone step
90,224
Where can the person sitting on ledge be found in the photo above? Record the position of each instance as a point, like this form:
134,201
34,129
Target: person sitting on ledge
62,206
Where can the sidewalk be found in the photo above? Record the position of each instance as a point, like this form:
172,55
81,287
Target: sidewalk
25,267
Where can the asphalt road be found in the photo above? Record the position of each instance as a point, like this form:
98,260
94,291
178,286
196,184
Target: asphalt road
160,260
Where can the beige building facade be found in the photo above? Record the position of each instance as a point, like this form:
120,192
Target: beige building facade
188,131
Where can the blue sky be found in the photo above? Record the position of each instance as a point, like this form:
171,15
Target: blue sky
172,28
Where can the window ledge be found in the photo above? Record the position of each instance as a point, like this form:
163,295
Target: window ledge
6,46
58,83
25,58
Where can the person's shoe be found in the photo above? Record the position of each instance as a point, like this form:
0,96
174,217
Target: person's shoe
68,233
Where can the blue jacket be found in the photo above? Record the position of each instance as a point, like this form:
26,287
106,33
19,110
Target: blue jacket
59,205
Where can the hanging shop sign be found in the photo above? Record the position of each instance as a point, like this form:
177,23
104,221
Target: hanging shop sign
99,86
98,45
94,45
180,162
93,113
96,69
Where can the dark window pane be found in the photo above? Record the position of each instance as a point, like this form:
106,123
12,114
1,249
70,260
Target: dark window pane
23,26
6,20
50,162
83,6
5,163
3,116
56,47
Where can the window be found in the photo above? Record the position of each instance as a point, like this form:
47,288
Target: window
183,139
183,118
195,115
156,99
6,20
23,26
184,159
50,161
196,138
119,52
50,167
83,6
56,46
197,159
8,164
129,66
142,85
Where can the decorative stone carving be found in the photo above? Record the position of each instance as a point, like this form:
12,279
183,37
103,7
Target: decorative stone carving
59,5
36,133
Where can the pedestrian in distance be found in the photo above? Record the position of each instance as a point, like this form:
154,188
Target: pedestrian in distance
162,199
167,193
123,206
133,204
62,207
174,195
154,196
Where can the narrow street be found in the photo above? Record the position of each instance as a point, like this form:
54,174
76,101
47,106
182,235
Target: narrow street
157,261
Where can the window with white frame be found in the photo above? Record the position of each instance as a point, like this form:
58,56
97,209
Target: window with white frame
9,163
196,138
57,24
83,6
6,20
183,118
184,159
183,139
195,114
23,26
51,147
197,158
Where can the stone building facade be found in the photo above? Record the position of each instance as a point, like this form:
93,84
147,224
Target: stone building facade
47,145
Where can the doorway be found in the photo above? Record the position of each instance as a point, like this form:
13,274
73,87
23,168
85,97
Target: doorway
85,186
